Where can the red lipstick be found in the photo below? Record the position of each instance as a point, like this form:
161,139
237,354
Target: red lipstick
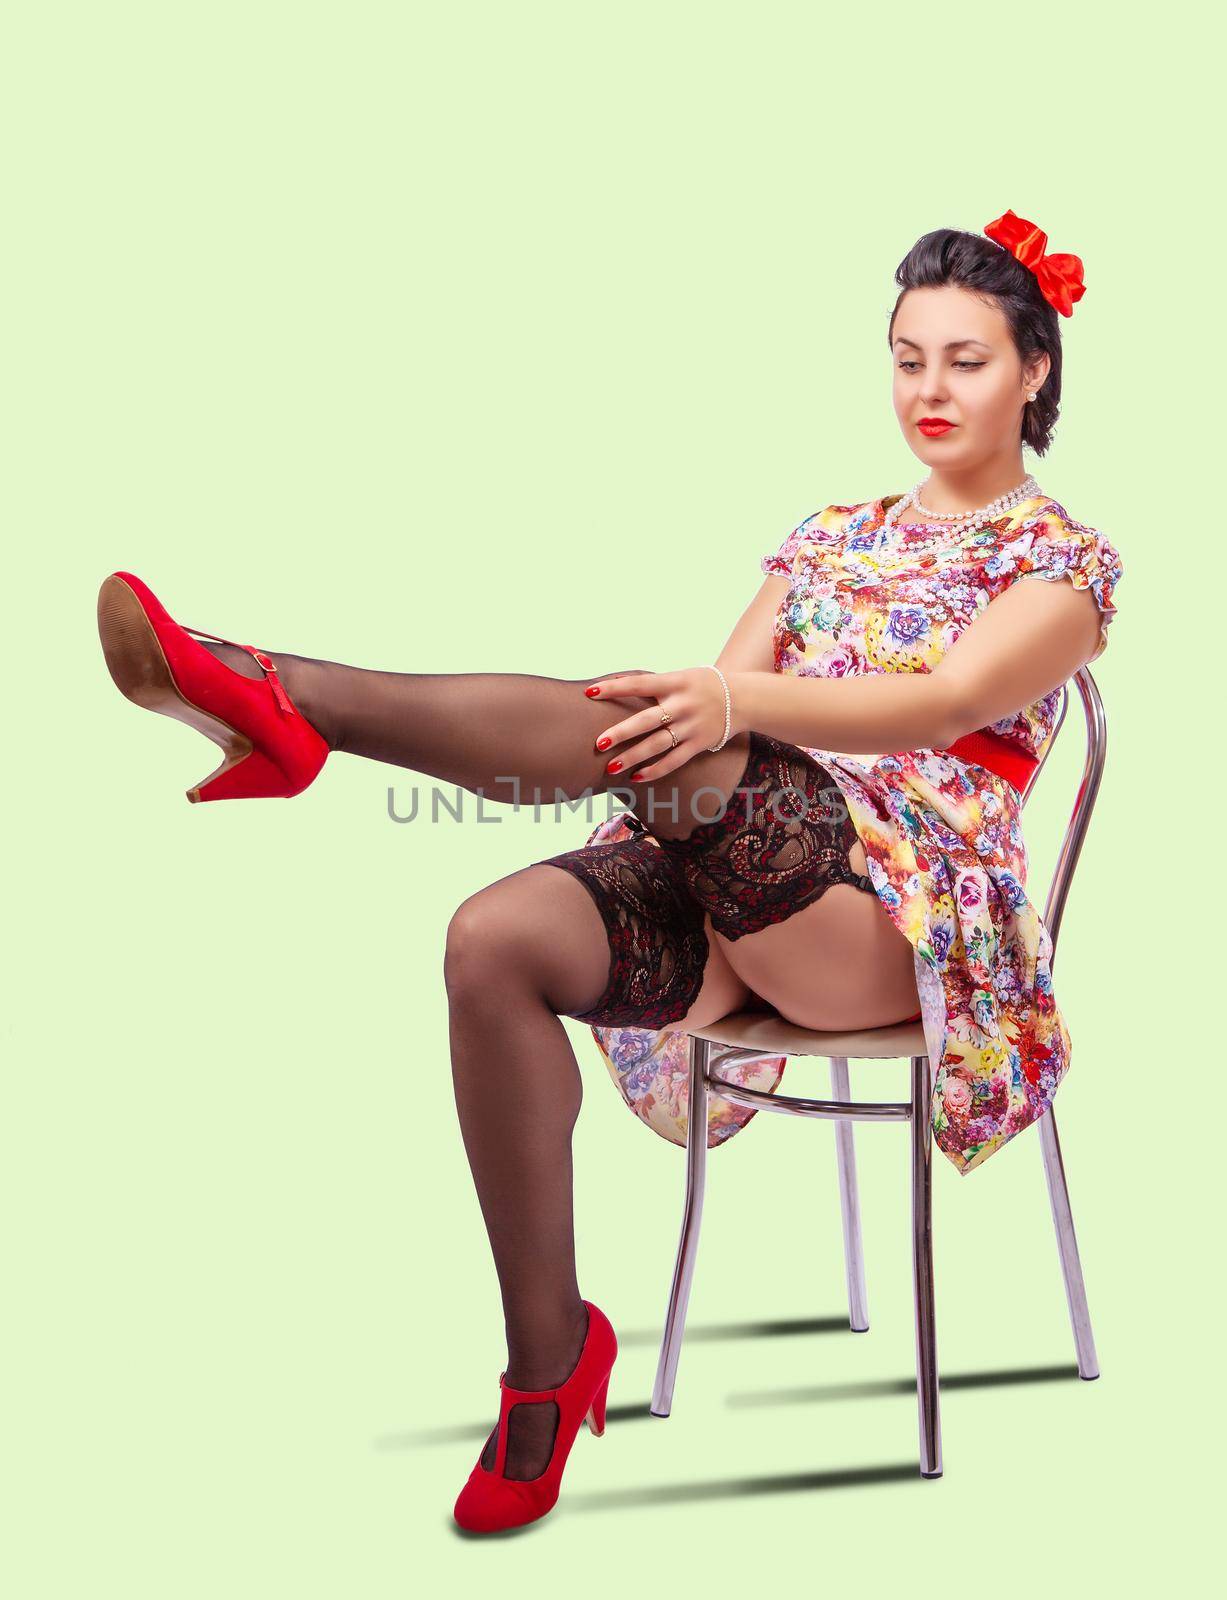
934,427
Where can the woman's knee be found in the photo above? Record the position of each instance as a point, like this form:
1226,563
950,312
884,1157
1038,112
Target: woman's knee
537,929
481,941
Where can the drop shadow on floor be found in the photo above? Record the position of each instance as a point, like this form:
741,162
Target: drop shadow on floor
640,1410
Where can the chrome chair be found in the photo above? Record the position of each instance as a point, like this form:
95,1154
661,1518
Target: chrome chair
744,1035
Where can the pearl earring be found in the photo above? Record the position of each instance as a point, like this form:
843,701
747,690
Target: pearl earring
1030,397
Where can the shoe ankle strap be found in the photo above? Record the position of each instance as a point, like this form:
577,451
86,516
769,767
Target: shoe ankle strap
216,637
524,1394
263,661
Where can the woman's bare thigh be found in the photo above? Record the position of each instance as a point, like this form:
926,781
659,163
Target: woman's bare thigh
840,962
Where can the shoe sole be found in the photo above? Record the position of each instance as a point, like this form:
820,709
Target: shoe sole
141,672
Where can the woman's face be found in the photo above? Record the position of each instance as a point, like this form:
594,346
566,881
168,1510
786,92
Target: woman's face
954,359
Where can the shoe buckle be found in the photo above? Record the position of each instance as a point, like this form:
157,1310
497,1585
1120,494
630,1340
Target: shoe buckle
270,671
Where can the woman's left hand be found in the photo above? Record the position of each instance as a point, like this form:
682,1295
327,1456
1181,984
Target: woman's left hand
693,699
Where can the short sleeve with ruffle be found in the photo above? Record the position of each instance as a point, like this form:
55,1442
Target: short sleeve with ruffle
1058,547
816,530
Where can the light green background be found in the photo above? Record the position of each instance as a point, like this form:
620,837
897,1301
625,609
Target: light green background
508,338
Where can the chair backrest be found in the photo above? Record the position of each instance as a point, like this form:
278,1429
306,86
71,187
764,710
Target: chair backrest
1088,789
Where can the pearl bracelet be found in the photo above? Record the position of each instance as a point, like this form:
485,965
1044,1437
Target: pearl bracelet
728,711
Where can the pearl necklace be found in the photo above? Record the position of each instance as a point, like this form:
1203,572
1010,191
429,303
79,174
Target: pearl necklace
944,526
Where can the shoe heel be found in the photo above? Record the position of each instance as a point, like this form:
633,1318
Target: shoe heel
596,1411
245,774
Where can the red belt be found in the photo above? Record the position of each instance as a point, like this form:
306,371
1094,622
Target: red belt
999,755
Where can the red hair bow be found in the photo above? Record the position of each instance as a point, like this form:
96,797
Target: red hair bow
1060,276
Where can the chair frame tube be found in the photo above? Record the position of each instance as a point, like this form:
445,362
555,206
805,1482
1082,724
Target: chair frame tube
843,1111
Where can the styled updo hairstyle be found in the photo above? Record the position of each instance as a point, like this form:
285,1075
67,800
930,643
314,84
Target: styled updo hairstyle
974,262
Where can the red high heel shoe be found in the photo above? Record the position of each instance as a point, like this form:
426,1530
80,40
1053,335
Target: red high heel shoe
489,1502
270,747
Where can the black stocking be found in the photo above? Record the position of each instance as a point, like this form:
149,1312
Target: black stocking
479,730
521,953
512,736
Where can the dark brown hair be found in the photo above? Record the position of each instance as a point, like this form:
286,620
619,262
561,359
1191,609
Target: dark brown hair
974,262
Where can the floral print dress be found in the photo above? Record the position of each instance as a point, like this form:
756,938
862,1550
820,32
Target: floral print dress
942,836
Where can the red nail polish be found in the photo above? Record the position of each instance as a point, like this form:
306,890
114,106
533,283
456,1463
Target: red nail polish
591,692
614,766
603,744
639,777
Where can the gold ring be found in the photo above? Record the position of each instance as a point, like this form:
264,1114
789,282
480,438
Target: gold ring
672,736
666,717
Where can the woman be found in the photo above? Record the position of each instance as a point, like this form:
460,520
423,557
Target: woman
769,855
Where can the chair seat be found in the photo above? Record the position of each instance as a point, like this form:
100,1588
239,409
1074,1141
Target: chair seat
775,1035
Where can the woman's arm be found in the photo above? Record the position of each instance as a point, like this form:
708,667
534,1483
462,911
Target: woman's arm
1027,641
751,645
855,716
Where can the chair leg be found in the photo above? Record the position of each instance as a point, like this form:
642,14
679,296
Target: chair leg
1067,1245
922,1273
692,1217
849,1203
